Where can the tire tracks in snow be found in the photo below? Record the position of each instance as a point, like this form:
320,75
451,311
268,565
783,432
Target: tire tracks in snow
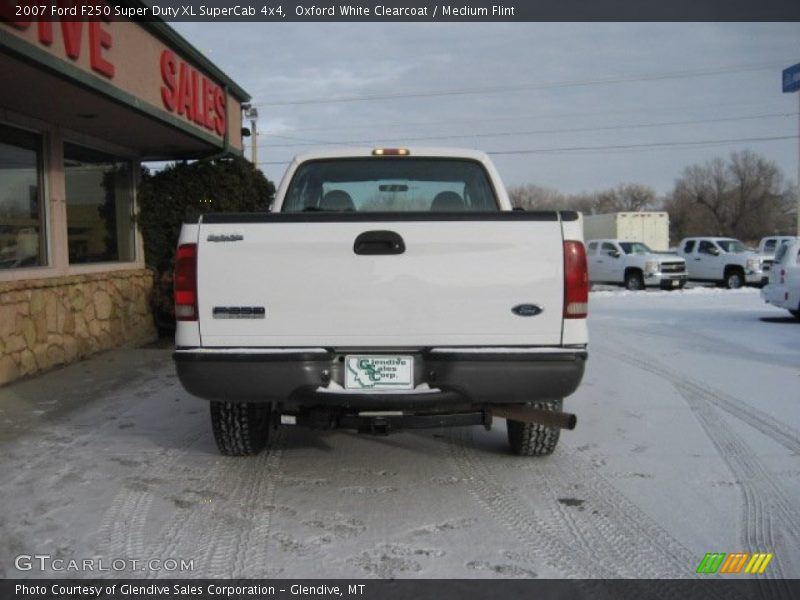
766,506
786,436
233,533
122,527
595,543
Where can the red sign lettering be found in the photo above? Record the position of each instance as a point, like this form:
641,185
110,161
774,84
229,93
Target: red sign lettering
191,94
100,39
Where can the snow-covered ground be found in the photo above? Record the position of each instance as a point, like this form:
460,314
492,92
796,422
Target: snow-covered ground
687,442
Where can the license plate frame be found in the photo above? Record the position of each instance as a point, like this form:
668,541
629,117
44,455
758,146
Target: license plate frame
378,372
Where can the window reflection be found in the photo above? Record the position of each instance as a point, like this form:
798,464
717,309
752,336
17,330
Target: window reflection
22,239
99,205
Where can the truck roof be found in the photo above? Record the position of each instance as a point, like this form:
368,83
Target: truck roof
433,152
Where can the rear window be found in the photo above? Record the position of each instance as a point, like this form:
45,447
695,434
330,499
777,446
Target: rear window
390,185
783,249
635,248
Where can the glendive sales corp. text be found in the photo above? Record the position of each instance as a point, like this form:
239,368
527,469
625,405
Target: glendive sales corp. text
185,589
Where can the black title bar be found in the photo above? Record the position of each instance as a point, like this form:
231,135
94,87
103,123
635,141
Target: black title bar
277,11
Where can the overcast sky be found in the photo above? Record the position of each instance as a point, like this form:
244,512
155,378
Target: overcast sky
554,89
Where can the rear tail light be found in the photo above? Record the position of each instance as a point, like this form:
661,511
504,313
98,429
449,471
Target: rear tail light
576,281
184,283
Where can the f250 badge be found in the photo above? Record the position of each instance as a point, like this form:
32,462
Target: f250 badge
239,312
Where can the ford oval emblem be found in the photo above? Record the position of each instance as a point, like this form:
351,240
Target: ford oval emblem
527,310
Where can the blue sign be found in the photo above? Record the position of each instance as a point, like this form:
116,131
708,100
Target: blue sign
791,78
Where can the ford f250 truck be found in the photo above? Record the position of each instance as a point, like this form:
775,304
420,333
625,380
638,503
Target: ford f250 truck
385,289
633,265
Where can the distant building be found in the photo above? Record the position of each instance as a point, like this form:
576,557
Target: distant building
81,105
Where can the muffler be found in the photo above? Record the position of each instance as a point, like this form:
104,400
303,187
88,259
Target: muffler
528,414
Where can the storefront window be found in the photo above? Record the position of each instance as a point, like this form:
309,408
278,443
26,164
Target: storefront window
99,206
22,231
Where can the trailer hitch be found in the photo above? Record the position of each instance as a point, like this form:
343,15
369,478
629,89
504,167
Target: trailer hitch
528,414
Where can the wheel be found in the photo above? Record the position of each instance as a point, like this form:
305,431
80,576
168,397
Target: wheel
634,281
532,439
240,428
734,279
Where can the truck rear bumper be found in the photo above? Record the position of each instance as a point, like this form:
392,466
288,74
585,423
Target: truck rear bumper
298,379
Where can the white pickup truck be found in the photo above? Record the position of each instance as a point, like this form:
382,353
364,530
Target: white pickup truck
723,260
386,289
633,265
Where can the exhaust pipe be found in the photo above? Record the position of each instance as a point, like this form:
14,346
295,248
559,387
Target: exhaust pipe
527,414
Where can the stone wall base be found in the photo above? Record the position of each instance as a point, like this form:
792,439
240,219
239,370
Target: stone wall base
54,321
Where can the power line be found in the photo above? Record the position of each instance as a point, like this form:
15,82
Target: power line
484,119
616,147
522,87
307,142
636,146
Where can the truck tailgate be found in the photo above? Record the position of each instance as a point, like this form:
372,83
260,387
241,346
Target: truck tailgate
455,284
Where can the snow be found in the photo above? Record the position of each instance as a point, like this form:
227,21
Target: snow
688,441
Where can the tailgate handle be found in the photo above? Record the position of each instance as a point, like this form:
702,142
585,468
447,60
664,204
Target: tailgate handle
379,242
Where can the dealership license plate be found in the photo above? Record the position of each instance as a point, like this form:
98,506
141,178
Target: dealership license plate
379,372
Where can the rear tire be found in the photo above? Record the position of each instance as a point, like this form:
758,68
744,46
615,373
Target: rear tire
240,428
634,281
532,439
734,279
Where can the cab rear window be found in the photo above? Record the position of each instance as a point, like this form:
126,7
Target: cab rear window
382,184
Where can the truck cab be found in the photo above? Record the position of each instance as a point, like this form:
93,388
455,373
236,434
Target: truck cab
768,246
634,265
723,260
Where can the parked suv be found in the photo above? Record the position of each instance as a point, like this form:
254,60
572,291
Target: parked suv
783,289
633,265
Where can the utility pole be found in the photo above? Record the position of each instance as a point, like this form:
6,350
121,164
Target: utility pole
251,112
791,83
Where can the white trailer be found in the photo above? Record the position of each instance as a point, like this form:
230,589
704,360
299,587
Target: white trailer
651,228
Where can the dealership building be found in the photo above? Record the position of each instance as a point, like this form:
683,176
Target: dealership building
82,104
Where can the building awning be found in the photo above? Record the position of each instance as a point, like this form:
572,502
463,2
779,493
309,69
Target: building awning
138,85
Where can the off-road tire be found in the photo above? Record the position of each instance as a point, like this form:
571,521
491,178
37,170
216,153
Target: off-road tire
734,279
240,428
634,281
532,439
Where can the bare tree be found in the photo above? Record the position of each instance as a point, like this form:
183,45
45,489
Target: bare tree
626,197
535,197
744,197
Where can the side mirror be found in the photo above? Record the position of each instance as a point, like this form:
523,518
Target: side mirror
614,254
714,251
